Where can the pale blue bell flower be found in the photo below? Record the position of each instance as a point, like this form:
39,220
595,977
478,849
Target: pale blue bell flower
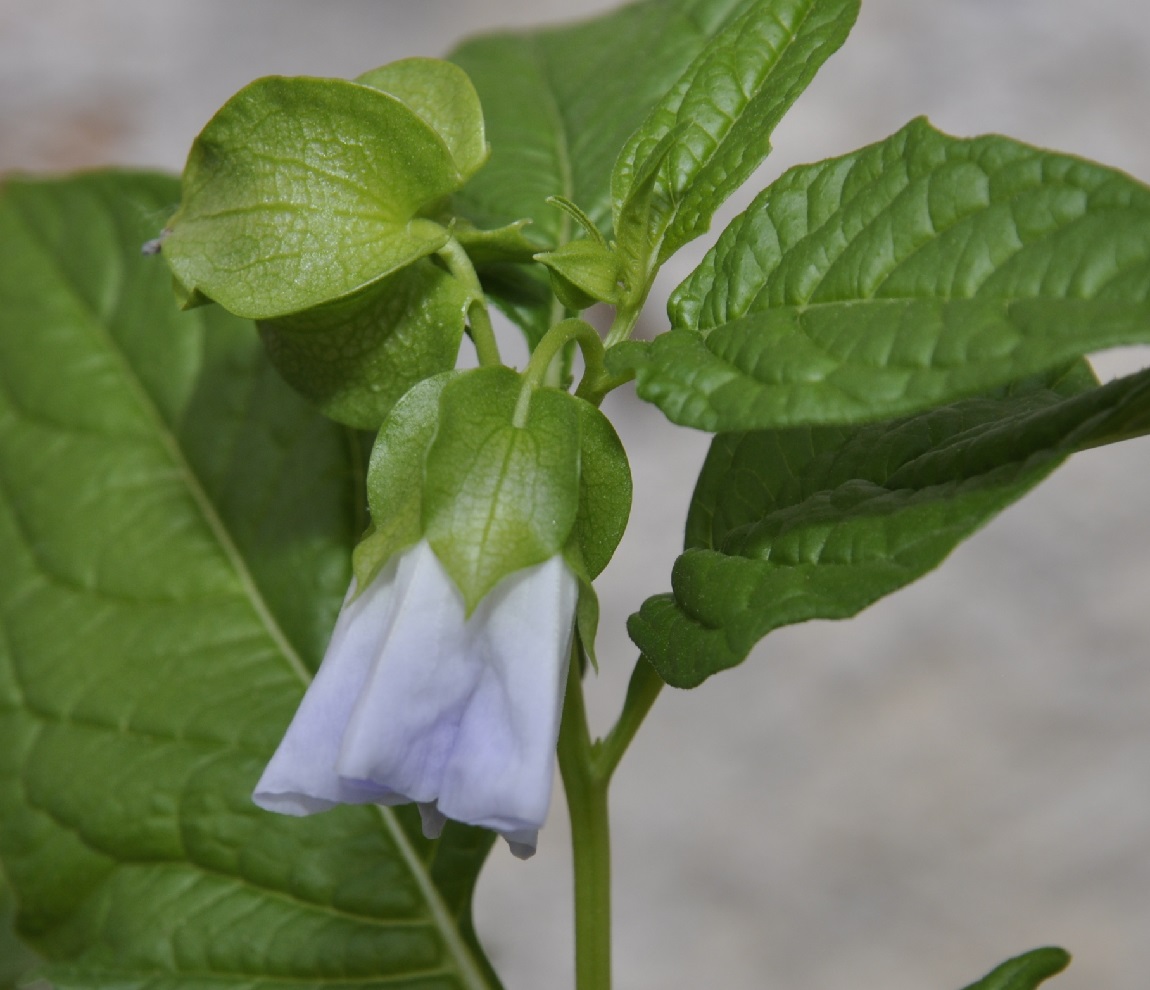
416,702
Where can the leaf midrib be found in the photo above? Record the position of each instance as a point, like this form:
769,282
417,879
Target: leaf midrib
171,446
562,153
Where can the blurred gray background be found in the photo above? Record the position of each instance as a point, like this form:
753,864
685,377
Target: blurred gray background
900,801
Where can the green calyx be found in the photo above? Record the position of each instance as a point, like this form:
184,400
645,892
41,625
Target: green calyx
497,474
312,206
583,272
302,191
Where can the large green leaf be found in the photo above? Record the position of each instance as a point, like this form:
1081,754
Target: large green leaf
713,128
819,522
174,530
1025,972
559,106
909,274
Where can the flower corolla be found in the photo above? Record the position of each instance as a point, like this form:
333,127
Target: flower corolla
417,702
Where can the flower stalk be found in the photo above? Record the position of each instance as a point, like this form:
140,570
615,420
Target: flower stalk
455,258
587,808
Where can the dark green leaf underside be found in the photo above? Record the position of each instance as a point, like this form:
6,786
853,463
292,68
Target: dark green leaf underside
175,526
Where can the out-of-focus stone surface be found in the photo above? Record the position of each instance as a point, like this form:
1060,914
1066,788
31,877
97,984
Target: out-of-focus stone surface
900,801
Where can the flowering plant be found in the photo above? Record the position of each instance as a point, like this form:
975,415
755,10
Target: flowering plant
888,346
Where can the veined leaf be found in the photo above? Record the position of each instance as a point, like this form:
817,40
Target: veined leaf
559,105
819,522
719,115
909,274
174,529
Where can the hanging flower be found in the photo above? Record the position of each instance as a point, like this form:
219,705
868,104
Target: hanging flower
416,701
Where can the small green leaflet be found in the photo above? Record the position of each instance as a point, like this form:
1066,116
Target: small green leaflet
918,271
819,522
175,526
1025,972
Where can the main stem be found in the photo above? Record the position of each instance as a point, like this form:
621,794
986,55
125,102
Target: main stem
590,839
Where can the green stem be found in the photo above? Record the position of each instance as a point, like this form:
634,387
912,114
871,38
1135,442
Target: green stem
642,691
459,264
596,382
590,838
483,334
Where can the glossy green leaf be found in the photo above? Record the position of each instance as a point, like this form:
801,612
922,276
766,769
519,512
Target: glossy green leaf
819,522
356,357
300,191
175,526
719,116
501,484
560,104
1025,972
909,274
443,97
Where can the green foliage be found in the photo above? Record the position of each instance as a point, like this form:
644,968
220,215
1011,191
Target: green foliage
561,105
819,522
712,128
174,526
1025,972
915,272
887,344
16,960
583,272
356,357
300,191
